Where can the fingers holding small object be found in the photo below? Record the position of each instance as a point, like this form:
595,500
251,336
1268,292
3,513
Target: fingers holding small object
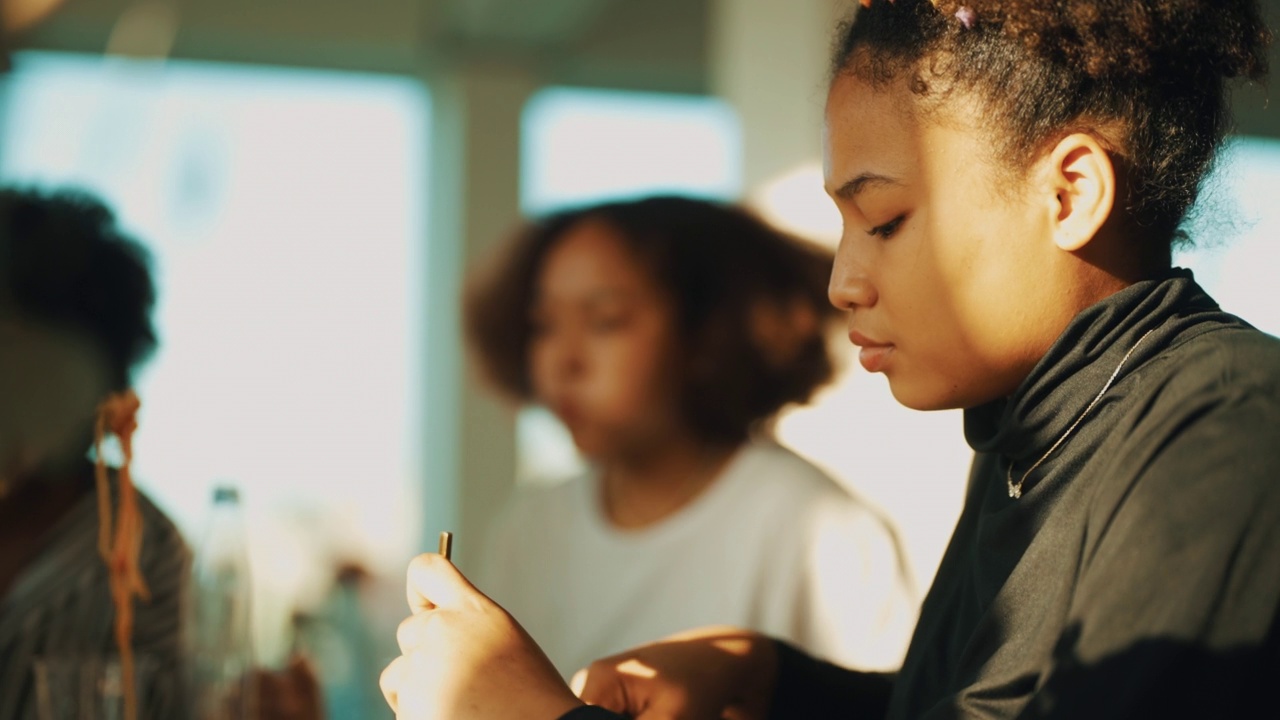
409,633
434,582
390,681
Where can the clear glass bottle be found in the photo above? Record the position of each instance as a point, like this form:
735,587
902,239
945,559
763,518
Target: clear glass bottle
224,642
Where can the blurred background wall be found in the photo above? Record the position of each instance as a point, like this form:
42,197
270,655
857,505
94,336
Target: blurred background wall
313,177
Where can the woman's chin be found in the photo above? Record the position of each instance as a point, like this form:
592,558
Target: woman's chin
923,396
589,445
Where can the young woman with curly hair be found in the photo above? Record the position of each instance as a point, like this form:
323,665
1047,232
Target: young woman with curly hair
1012,175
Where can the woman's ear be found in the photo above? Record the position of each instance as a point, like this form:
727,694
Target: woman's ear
1083,181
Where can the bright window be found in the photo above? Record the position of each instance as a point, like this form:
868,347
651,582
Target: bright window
283,211
1235,231
584,146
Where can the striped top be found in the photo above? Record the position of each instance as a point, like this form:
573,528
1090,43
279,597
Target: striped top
60,608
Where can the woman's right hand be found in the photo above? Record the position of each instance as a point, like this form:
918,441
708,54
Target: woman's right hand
710,673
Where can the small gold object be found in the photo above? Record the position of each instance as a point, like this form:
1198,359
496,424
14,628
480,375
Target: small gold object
446,545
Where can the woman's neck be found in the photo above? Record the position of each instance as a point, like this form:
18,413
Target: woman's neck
646,488
37,489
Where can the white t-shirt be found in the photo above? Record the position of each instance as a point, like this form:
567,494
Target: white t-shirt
773,545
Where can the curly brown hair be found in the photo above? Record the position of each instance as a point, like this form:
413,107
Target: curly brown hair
1148,77
64,260
720,265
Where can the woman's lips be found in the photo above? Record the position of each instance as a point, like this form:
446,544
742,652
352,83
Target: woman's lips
873,355
874,358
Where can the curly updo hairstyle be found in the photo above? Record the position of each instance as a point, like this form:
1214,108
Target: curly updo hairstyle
1148,78
719,264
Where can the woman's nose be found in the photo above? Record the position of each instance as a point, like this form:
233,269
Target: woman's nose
850,287
569,358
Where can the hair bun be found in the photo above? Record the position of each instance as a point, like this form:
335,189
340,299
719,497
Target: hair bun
1135,38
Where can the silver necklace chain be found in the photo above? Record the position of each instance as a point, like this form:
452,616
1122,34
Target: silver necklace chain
1015,489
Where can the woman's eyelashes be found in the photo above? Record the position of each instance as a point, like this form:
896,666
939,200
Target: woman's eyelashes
888,229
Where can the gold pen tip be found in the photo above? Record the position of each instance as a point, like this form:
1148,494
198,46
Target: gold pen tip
446,545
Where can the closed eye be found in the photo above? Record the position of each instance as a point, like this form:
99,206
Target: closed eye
887,230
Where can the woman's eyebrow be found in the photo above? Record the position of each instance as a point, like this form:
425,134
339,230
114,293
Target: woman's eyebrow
853,187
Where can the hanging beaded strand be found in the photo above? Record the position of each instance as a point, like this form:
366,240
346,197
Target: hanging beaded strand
120,549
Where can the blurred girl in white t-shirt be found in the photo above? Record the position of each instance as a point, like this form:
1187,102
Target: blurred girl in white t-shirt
666,334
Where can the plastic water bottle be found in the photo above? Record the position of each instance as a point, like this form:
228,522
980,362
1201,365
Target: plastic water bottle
224,643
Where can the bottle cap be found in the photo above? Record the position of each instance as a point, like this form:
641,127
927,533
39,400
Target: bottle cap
226,494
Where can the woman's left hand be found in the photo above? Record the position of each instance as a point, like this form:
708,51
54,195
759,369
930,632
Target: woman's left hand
465,657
